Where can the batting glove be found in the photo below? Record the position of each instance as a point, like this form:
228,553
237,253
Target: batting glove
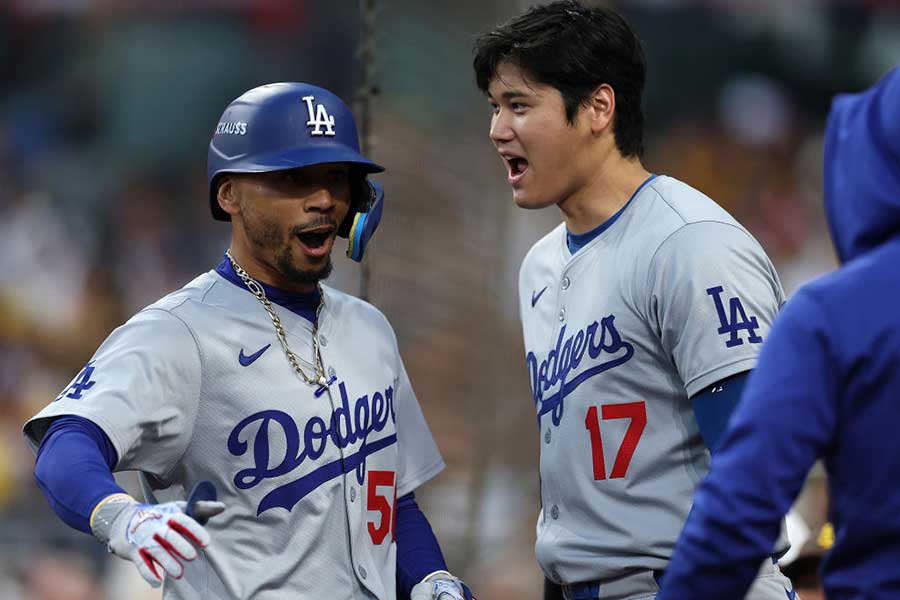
440,585
155,537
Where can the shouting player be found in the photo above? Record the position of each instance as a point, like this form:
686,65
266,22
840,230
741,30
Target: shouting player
283,397
826,388
642,312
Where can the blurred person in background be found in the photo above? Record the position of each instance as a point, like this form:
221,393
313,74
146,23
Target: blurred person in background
58,576
826,387
239,386
642,313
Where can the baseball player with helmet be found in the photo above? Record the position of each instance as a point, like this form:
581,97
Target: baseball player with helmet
278,438
642,312
826,387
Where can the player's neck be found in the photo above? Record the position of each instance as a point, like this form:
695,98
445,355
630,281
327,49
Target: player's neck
614,181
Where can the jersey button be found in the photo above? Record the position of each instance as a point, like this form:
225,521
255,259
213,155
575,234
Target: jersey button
331,372
554,512
562,314
547,436
352,494
362,571
565,283
323,341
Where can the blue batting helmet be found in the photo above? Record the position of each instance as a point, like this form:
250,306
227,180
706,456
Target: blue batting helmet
283,126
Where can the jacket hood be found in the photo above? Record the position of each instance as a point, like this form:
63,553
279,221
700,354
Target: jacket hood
862,168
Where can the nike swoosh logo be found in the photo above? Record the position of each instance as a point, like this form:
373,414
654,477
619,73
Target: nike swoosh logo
246,361
536,297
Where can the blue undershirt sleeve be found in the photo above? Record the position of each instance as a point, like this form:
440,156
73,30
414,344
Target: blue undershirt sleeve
74,469
418,552
714,405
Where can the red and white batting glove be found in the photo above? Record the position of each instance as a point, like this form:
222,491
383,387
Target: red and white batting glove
157,538
440,585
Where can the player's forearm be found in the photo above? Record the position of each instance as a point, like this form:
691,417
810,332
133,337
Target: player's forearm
74,470
418,551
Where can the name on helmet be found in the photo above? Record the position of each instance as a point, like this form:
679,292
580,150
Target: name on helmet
231,128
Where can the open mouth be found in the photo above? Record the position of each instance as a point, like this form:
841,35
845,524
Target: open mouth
516,168
316,242
314,239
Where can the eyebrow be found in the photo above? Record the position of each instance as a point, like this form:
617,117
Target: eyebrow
514,93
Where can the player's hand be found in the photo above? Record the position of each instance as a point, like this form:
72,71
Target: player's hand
157,538
440,585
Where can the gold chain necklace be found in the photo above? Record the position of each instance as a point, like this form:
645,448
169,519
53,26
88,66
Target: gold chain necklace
256,289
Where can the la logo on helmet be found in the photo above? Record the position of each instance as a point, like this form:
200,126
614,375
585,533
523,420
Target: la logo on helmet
318,117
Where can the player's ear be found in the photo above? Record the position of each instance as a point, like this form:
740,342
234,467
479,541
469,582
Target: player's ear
227,195
601,108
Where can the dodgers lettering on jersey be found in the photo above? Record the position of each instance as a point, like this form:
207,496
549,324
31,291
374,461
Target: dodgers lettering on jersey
195,387
342,430
596,339
674,296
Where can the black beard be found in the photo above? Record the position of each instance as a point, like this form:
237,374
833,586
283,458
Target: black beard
285,263
267,235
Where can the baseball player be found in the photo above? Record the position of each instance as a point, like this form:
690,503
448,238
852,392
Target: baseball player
282,402
642,312
826,387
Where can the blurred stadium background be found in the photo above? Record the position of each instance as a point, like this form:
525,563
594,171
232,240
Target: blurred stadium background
106,108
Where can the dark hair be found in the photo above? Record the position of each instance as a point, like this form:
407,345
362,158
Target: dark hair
574,49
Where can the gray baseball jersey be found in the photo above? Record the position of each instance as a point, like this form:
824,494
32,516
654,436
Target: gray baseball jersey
673,297
196,386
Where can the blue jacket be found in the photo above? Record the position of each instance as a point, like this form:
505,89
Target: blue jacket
827,385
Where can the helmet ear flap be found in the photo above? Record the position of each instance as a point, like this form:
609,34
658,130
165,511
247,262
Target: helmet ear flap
365,223
360,201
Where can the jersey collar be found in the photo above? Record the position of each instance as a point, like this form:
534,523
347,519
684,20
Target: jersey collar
577,241
299,303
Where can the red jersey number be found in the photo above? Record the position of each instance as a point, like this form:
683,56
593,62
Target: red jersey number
637,412
380,503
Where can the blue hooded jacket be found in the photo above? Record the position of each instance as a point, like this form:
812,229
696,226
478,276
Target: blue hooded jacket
827,386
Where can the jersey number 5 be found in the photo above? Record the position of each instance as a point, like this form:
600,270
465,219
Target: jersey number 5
380,504
637,412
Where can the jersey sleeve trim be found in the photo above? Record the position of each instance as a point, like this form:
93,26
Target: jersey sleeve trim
36,429
704,380
414,481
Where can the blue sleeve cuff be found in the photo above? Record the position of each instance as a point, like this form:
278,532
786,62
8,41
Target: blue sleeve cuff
714,405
